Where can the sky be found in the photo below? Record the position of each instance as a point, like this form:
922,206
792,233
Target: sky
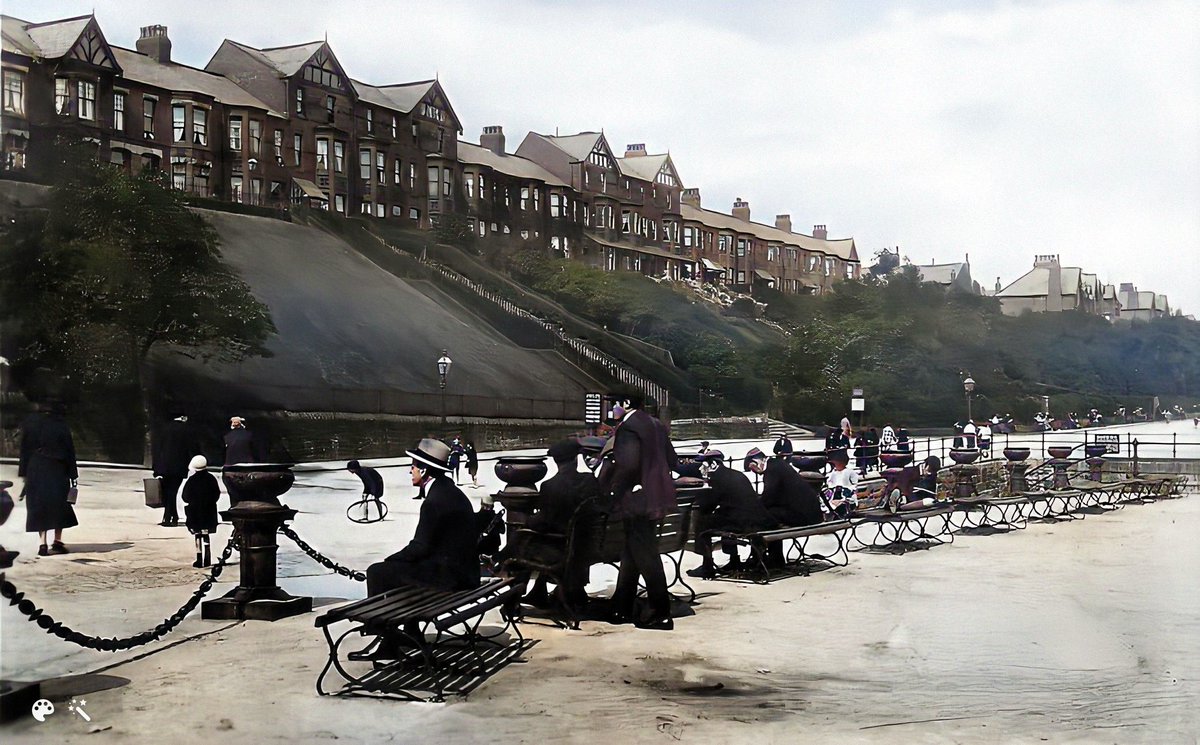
990,130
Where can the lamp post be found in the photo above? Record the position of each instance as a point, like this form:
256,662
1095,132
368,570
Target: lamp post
968,386
443,368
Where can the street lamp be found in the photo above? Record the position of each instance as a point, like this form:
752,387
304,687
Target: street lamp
968,386
443,368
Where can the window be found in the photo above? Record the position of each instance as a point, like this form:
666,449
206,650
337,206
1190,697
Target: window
329,107
235,134
537,200
297,144
364,164
322,154
433,181
148,105
370,120
339,156
179,122
431,112
235,189
447,182
339,204
381,210
14,92
481,186
178,176
412,177
366,208
625,221
397,210
741,247
482,229
380,169
255,191
396,173
394,137
255,137
299,100
62,96
689,237
828,267
723,244
524,198
741,278
279,146
317,74
469,184
87,100
200,126
556,205
414,213
119,112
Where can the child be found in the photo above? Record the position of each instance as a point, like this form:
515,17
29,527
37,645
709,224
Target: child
200,493
841,486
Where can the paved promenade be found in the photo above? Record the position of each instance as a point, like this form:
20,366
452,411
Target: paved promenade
1074,632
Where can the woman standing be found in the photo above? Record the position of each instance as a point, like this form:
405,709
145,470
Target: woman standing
200,493
48,467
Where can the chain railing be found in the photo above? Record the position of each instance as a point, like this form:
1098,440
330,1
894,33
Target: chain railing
321,558
45,621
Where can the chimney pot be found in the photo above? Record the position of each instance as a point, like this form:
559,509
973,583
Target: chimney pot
741,209
154,42
634,150
784,223
493,138
820,233
691,196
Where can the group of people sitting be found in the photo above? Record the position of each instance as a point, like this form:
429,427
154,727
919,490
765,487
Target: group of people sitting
633,483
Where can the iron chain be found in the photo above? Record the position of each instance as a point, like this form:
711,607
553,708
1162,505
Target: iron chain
26,606
321,559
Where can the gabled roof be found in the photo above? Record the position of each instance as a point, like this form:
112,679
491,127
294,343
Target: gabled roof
510,165
1036,283
402,97
56,39
843,249
647,167
183,79
578,146
942,274
288,60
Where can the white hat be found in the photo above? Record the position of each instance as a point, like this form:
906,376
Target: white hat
431,454
198,463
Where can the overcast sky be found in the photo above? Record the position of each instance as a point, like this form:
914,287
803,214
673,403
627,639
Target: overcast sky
995,129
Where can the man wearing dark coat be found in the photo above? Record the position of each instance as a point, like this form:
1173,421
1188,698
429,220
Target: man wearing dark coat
173,450
200,494
729,505
783,446
442,553
789,498
643,493
241,446
48,466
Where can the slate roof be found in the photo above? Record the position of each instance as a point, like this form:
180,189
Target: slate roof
402,97
578,146
942,274
511,165
1036,283
184,79
645,167
842,248
49,40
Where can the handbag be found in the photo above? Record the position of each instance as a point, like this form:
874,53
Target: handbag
153,489
72,494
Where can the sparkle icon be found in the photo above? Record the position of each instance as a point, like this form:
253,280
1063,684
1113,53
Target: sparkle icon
76,707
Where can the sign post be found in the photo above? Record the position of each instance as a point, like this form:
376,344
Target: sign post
859,404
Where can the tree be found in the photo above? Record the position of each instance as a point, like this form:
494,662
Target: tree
118,267
885,262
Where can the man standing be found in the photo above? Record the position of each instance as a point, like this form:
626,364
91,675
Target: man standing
174,449
783,446
240,447
643,493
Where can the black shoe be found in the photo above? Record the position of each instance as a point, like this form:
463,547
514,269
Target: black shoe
703,572
619,619
657,623
43,551
58,548
387,649
733,566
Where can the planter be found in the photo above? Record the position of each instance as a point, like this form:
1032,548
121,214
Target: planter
258,482
963,456
1059,451
809,461
1016,454
1094,451
896,460
521,471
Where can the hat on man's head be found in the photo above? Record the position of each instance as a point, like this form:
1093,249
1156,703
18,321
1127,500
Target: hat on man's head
711,455
431,453
754,454
838,455
564,451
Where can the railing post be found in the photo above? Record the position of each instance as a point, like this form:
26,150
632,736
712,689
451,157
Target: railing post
1174,436
1135,457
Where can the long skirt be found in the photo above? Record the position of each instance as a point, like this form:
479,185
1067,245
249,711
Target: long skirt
46,487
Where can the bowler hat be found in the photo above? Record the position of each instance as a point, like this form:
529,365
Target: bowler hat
564,450
710,455
431,453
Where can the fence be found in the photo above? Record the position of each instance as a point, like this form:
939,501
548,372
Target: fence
580,349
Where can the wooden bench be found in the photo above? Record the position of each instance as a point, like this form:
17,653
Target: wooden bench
673,533
797,559
457,659
903,528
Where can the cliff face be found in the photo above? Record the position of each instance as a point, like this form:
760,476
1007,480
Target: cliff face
352,337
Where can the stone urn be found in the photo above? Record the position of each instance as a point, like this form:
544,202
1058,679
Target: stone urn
1059,451
809,461
1095,451
895,460
257,517
1016,467
963,456
1016,455
520,474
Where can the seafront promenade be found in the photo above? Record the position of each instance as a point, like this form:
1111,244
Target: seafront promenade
1082,631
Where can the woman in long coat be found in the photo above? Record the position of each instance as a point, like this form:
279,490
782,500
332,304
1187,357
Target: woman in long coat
48,467
200,493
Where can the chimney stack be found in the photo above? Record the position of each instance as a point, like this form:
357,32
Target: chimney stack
784,223
820,233
635,150
741,209
691,197
153,42
493,139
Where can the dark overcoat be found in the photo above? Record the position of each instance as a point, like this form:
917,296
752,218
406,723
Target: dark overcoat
200,495
732,504
443,551
48,466
174,449
643,456
788,497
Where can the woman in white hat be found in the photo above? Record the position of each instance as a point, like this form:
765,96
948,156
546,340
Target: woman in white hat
200,493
